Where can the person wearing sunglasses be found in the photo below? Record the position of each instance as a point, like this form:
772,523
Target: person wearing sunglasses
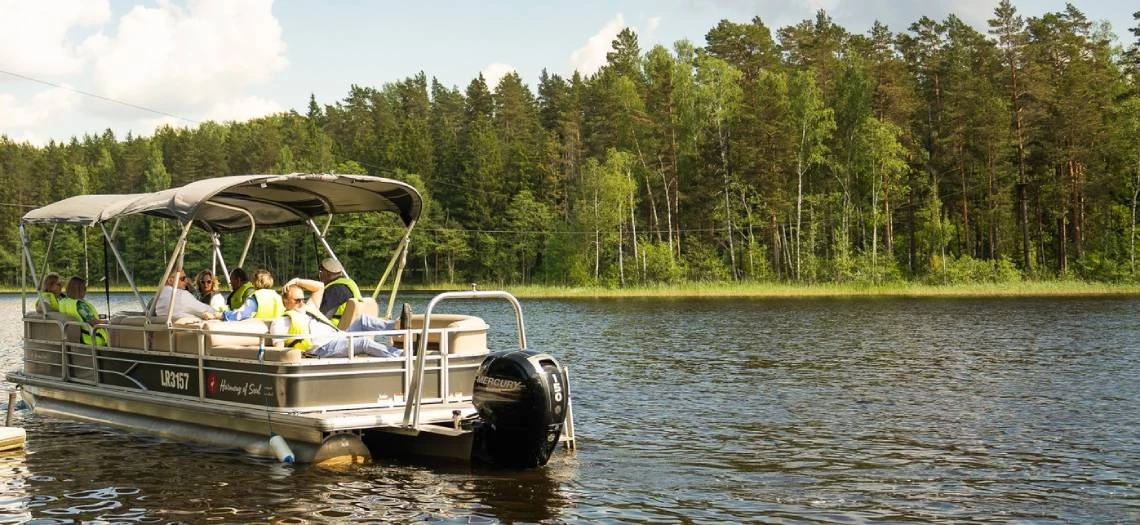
208,290
184,303
316,335
51,291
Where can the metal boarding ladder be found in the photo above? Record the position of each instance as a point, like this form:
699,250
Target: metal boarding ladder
411,422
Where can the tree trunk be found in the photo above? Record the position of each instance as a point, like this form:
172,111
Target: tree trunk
621,255
970,247
1023,218
668,213
799,198
875,185
654,221
911,255
633,218
597,240
727,207
1077,171
1021,183
1132,225
777,248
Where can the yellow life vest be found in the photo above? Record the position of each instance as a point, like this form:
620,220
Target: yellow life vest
50,300
352,287
70,307
238,297
299,324
269,305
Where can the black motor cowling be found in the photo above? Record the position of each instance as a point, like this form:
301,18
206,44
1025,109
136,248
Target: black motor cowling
521,397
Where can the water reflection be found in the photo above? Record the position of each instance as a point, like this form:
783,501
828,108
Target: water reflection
705,411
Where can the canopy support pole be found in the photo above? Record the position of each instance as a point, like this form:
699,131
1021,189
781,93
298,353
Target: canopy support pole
324,242
110,237
175,261
402,253
388,270
25,266
51,239
218,243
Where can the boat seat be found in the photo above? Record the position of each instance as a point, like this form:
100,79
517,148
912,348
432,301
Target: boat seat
354,308
468,334
131,331
272,354
58,316
247,333
45,327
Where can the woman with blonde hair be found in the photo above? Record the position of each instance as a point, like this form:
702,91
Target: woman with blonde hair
208,293
264,303
51,289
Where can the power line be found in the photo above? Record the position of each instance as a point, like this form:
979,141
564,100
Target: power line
100,97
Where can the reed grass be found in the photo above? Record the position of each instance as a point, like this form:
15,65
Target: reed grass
1067,288
1019,289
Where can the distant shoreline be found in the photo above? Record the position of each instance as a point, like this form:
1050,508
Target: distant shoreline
777,290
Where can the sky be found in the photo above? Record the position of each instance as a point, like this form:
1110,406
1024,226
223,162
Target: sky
74,67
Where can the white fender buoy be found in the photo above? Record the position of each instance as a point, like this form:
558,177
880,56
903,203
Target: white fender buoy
280,448
12,438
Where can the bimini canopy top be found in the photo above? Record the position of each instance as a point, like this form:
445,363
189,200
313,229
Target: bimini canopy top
227,203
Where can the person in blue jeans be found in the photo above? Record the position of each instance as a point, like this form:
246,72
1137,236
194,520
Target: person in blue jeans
316,335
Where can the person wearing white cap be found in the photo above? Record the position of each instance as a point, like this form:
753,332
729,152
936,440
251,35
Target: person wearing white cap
339,288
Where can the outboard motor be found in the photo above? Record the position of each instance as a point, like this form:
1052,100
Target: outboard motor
521,397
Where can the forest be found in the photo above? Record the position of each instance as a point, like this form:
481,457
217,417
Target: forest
808,154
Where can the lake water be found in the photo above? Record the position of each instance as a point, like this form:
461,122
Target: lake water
701,411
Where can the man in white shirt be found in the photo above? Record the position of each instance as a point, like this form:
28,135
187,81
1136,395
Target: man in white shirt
185,305
317,336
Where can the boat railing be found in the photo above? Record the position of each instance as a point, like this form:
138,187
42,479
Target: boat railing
53,348
415,390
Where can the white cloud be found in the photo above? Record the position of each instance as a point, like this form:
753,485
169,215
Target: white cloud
180,60
240,109
653,24
34,35
592,56
44,107
495,72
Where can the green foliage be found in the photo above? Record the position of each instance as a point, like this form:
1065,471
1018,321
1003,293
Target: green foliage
661,266
1097,266
821,155
968,270
565,261
755,263
705,264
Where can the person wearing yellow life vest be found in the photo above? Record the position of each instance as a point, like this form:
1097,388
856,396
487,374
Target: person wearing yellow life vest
339,288
51,289
263,303
310,331
76,306
242,288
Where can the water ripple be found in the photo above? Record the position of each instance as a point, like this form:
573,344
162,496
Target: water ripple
705,411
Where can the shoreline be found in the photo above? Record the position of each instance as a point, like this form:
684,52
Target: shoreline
773,290
779,290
